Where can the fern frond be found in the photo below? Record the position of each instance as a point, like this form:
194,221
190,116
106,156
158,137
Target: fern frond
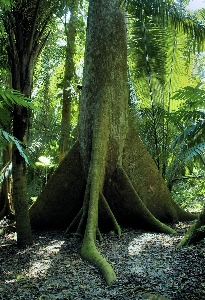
164,13
194,96
191,133
5,138
11,97
194,151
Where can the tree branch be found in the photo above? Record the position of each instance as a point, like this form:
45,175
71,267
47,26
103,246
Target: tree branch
32,32
19,33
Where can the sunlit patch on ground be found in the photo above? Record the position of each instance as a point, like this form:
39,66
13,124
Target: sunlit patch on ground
43,258
145,263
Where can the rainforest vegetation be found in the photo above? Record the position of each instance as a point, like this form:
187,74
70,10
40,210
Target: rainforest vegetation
102,118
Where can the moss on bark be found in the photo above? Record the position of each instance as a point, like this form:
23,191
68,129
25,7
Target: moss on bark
90,252
196,232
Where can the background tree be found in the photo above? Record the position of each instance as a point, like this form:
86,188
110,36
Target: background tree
5,123
48,91
69,73
26,25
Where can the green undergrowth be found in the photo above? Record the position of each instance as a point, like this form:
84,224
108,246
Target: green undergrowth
189,192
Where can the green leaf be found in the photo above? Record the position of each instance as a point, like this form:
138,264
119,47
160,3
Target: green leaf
11,97
5,137
193,151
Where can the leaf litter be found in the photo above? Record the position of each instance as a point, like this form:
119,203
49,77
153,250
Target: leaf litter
148,266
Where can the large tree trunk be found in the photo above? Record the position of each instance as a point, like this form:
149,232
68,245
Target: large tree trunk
108,178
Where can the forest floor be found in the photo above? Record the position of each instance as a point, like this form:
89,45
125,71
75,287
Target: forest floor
148,266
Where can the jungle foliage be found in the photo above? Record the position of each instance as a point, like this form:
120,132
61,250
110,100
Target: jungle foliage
157,50
166,86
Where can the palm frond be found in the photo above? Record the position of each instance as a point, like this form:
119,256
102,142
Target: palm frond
190,142
169,13
190,133
193,96
6,138
11,97
8,98
163,38
194,151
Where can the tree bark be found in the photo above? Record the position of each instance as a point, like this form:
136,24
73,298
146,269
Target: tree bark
62,197
107,178
25,41
70,30
6,192
196,233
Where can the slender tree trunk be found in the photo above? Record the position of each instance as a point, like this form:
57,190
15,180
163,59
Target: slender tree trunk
25,41
6,192
20,126
70,30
